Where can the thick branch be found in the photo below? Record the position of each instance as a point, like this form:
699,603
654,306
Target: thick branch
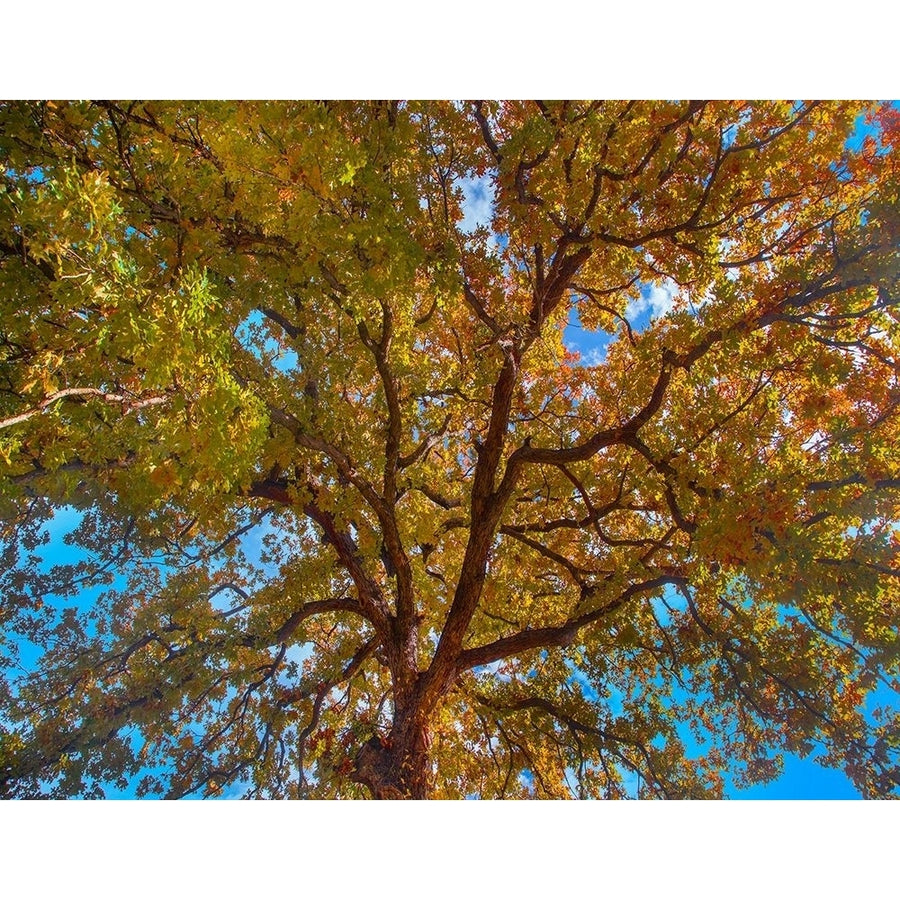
560,635
129,404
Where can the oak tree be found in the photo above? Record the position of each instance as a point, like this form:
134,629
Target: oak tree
349,516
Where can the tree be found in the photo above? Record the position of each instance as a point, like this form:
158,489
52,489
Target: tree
350,518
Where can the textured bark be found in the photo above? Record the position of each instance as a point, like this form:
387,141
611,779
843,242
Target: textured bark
395,768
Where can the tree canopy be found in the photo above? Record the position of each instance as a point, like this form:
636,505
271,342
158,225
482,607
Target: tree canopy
348,516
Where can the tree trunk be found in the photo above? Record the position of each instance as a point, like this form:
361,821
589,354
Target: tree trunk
397,767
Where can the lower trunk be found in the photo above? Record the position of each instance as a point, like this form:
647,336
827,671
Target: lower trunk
395,768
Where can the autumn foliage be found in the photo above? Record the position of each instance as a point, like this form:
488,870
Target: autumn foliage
305,490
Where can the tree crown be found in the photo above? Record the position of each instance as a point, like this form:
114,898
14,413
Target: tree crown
364,525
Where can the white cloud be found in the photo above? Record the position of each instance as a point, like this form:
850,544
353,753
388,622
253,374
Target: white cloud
655,299
595,356
478,202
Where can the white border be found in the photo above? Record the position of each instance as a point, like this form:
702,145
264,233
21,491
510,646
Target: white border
512,849
188,49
